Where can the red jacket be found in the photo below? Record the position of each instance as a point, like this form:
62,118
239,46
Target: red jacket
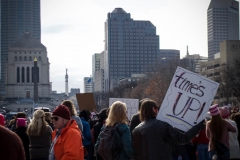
201,138
69,143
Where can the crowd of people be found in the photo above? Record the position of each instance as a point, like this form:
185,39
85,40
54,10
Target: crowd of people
64,135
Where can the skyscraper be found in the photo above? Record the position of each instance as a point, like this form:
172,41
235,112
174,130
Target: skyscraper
17,17
223,24
131,46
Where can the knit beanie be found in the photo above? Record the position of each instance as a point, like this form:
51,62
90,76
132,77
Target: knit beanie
21,122
214,110
62,111
2,119
224,111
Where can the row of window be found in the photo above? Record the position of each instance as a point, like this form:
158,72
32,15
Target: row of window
26,59
27,52
25,73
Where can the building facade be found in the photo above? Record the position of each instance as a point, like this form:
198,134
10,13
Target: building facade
17,17
229,50
88,84
169,54
20,75
131,46
223,24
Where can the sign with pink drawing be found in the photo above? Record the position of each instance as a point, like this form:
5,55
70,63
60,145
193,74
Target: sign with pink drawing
187,100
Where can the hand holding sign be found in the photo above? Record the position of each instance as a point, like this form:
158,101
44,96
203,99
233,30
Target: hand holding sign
188,99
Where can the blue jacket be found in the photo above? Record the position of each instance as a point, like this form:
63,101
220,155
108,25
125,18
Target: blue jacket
125,140
87,137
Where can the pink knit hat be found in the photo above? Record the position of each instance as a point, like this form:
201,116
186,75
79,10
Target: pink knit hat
214,110
224,111
2,119
21,122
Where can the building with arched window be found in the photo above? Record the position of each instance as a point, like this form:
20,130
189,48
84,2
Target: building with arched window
19,77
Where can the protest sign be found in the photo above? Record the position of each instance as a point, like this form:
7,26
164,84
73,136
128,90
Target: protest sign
86,101
187,100
132,105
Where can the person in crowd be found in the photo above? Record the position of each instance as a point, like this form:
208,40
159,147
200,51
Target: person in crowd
179,151
236,118
93,119
21,128
202,142
48,116
40,136
73,112
2,120
87,137
11,147
233,141
153,138
136,118
117,114
66,138
102,116
217,130
19,115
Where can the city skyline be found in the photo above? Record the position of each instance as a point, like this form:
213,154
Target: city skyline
73,32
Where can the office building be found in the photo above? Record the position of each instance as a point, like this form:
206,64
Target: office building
169,54
192,62
131,47
74,91
229,51
17,17
223,24
88,84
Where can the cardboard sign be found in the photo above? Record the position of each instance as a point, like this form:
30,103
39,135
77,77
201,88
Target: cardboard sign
188,99
86,101
132,105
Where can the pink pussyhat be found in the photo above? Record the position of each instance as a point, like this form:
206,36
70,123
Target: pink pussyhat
214,110
2,119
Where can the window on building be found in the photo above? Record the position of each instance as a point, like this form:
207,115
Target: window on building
28,75
23,73
18,75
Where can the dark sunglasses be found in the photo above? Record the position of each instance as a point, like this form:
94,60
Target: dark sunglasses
54,118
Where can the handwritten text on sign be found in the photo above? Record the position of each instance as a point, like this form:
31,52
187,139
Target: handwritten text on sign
132,105
188,99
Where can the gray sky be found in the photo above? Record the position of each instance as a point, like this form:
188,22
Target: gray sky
73,30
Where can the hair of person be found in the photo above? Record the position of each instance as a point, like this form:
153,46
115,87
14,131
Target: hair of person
216,126
48,116
237,119
146,110
102,115
38,125
21,115
84,114
70,106
140,102
117,113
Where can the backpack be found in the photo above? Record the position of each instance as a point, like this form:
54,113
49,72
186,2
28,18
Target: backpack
108,149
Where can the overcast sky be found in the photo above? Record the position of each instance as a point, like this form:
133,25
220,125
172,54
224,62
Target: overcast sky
73,30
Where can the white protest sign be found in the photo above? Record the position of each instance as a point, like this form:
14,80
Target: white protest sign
187,100
132,105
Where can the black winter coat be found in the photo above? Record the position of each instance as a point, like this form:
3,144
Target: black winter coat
21,132
153,139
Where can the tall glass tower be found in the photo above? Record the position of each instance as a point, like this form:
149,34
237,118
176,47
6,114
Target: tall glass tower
223,24
17,17
131,46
